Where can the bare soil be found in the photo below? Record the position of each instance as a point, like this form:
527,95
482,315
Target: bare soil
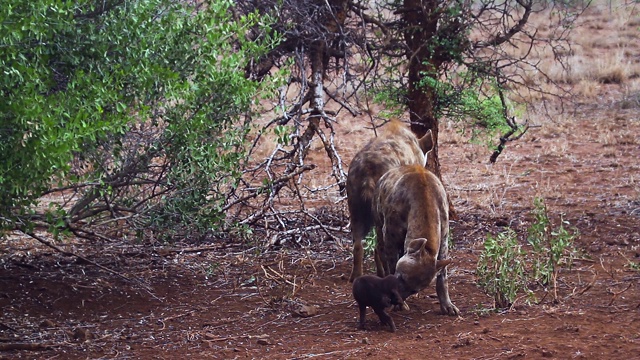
228,300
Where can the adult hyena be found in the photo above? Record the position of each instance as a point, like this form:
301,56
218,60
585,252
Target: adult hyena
397,146
412,226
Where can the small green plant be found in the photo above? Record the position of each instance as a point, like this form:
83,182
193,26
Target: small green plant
502,269
633,265
505,269
370,242
551,247
211,269
283,134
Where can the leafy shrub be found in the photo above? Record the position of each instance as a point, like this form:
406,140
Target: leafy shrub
131,110
501,268
551,248
505,269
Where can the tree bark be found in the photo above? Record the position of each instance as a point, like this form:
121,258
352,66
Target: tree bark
421,25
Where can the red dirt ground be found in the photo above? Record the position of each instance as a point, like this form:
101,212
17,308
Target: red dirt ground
238,301
229,300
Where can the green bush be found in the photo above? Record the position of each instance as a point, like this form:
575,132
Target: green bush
133,106
502,270
505,269
551,248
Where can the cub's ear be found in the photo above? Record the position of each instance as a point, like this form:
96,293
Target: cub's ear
442,263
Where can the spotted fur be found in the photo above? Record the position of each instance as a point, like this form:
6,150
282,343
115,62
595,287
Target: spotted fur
412,225
397,146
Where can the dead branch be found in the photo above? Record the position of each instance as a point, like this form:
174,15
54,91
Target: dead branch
69,253
336,163
616,294
26,346
6,327
609,271
513,124
188,313
586,288
226,338
273,188
166,252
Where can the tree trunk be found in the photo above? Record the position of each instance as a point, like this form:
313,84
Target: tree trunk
421,21
320,51
420,34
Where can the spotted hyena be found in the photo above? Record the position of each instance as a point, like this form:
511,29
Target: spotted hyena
412,225
379,294
397,146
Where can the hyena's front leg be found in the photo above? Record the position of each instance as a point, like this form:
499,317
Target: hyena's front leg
442,289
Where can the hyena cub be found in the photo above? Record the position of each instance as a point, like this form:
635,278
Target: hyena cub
378,293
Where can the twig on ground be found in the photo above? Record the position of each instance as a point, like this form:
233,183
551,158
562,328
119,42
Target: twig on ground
260,291
225,338
165,252
610,272
7,327
25,346
309,356
69,253
586,288
616,294
188,313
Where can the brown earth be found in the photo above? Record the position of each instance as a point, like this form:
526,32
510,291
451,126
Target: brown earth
228,299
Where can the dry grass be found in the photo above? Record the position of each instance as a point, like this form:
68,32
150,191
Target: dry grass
587,89
602,50
631,95
616,132
610,67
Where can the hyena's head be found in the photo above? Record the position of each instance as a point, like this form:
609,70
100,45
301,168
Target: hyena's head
419,265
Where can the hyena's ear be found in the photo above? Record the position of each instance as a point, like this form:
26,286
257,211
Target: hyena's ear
416,245
426,142
442,263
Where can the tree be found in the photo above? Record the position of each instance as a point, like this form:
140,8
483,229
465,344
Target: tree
123,112
454,58
465,59
423,59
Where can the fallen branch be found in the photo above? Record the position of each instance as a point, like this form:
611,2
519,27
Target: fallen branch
309,356
25,346
226,338
210,337
188,313
69,253
6,327
166,252
616,294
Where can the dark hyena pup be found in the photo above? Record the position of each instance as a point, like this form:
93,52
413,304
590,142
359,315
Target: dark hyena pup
379,294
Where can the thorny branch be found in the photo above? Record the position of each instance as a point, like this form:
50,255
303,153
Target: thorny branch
513,124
